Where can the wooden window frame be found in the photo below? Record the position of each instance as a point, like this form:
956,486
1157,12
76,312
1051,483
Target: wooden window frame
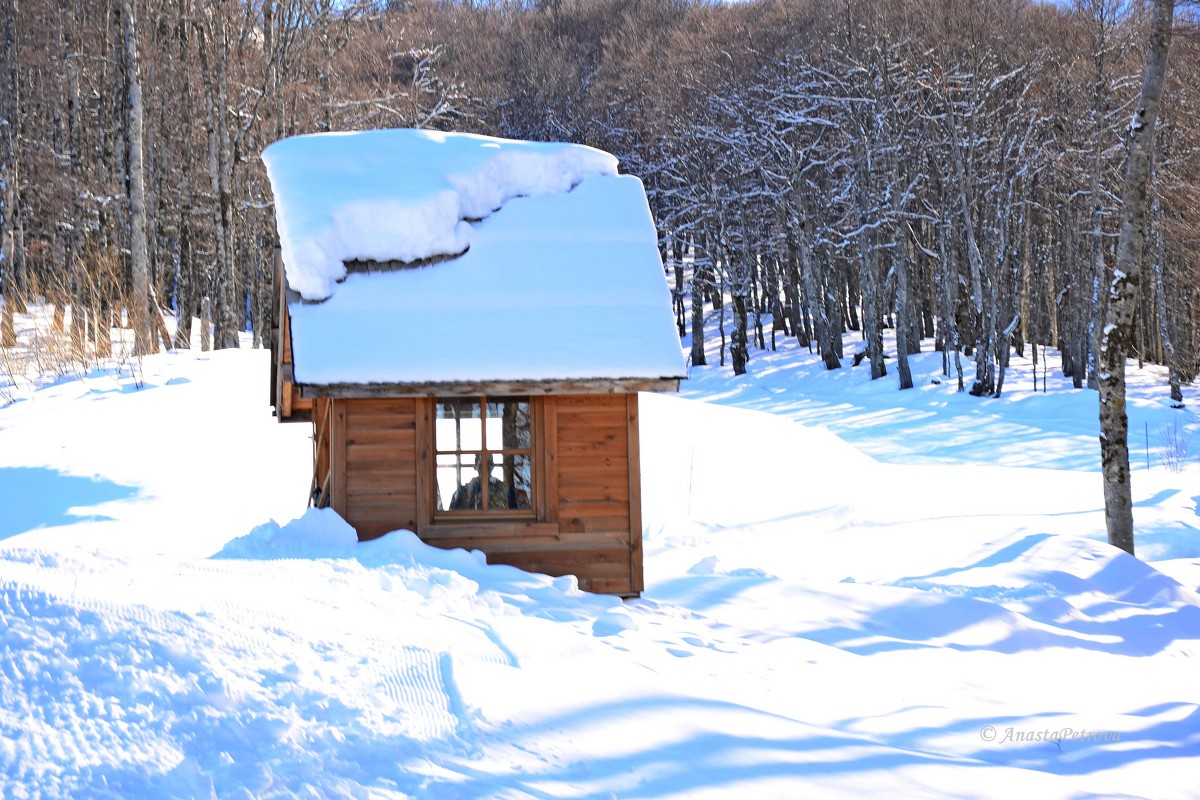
442,517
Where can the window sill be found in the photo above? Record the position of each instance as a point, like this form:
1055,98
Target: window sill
482,526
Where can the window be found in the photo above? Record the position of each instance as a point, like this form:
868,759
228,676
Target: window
484,456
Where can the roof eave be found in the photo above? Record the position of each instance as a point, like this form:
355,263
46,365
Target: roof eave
497,387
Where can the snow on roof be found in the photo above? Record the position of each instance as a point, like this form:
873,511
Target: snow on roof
554,271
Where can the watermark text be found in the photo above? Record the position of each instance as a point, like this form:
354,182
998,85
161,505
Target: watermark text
1014,735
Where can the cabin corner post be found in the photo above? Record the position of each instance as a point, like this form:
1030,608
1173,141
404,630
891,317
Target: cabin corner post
636,577
279,312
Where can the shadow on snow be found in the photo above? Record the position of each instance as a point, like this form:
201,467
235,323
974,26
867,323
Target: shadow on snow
37,497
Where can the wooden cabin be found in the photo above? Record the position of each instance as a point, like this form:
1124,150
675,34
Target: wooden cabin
486,397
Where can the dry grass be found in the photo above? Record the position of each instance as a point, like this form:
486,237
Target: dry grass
1176,446
71,330
52,344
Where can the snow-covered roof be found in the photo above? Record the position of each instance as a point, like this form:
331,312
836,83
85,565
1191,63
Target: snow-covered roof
551,268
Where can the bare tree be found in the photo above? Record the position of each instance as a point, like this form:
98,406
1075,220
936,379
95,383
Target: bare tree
1117,337
9,113
138,248
945,170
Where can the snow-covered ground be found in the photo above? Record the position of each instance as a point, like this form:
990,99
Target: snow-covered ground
907,594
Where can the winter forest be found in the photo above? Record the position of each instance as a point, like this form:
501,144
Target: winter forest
949,169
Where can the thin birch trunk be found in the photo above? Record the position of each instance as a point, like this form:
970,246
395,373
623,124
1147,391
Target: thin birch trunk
1117,336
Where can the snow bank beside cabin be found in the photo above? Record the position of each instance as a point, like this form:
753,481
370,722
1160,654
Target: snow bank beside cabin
403,194
434,573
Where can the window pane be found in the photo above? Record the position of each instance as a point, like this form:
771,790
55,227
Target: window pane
513,426
512,484
459,425
460,489
458,485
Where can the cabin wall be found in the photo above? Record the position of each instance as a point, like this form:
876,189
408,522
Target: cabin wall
374,459
595,468
588,515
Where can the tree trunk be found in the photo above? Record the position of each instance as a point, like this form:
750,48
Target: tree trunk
188,276
1164,328
984,323
719,291
949,317
852,297
139,256
796,317
675,263
1098,269
872,312
1117,335
756,302
103,321
205,324
868,263
185,293
8,330
9,110
220,176
832,352
80,302
699,277
812,295
739,348
904,322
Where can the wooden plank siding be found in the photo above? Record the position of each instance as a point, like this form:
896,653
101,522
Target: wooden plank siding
592,469
380,478
587,515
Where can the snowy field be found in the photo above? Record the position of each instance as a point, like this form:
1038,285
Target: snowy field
851,592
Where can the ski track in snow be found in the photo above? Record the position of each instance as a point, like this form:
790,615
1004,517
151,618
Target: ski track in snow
105,680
